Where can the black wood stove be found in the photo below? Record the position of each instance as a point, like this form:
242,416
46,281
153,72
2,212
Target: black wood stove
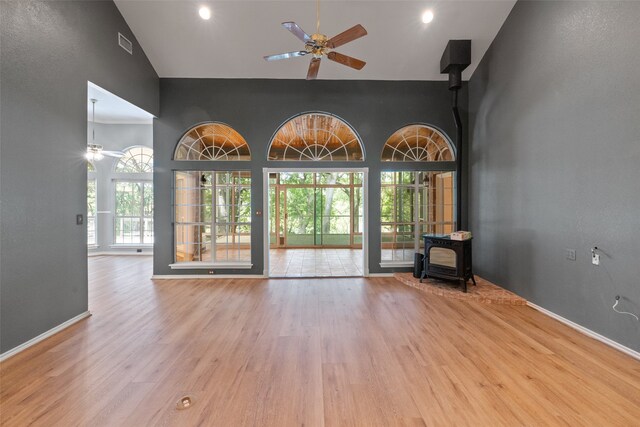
447,259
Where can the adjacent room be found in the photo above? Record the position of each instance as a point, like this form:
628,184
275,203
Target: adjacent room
319,213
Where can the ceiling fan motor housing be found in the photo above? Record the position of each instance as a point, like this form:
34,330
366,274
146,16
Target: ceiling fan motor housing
317,46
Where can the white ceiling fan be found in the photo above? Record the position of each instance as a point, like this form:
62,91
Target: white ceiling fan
96,151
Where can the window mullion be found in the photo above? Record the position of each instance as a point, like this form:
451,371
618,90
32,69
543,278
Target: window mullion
141,219
214,216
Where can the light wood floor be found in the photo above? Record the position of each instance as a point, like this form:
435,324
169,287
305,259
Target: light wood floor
312,352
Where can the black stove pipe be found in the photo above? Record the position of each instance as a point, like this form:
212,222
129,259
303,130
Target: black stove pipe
458,123
456,57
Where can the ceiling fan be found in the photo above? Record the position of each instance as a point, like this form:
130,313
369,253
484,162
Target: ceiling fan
95,151
319,45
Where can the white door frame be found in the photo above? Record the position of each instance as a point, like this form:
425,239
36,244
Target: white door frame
365,213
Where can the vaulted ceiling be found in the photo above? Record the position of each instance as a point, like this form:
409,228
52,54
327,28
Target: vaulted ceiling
399,46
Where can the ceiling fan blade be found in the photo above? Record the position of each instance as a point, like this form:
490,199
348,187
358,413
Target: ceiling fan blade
346,60
116,154
296,31
351,34
314,66
285,55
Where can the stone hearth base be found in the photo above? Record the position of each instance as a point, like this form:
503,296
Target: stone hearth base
485,292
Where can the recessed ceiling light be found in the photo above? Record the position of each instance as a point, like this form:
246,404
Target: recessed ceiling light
427,17
204,12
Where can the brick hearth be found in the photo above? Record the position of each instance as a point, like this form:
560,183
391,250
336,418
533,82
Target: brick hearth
485,292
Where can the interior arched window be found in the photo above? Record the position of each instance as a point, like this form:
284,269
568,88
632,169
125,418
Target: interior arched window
136,160
418,143
316,137
212,141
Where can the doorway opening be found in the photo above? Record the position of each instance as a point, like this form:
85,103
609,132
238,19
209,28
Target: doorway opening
119,164
316,223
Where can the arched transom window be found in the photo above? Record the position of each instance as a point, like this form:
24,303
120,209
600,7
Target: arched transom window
136,160
212,141
316,137
417,143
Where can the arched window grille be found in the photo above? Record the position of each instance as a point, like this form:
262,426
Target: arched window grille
136,160
316,137
212,141
417,143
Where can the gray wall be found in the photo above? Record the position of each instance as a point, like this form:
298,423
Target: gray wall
48,52
115,137
555,148
256,108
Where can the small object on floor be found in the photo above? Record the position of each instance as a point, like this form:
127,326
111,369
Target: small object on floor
184,402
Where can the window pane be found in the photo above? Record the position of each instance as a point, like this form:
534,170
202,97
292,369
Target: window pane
296,178
91,231
91,197
128,198
387,203
148,199
91,211
212,218
333,178
133,222
400,230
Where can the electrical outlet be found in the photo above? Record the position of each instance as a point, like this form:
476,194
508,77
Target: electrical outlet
570,254
211,272
595,259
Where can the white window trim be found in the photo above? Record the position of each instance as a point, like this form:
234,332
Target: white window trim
209,265
391,264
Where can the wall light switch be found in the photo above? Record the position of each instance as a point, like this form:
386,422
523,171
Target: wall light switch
570,254
595,259
79,219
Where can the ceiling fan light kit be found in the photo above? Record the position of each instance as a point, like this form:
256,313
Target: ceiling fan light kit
94,152
319,45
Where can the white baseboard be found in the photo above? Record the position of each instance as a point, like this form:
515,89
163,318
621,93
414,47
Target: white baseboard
380,275
33,341
587,332
205,276
120,253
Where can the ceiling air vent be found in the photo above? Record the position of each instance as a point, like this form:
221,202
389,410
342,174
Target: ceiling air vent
125,43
